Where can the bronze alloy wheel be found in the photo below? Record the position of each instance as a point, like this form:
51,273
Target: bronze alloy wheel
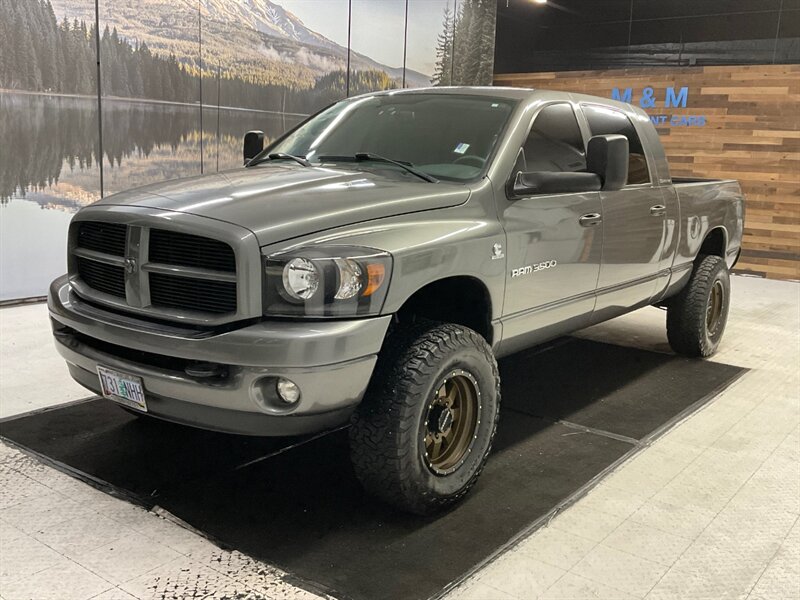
716,303
451,422
420,438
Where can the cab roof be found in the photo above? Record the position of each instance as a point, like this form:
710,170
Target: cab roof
510,93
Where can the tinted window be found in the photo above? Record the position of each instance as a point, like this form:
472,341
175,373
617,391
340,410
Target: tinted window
446,135
554,142
605,121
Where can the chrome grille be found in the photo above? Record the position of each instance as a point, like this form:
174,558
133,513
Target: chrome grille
188,293
106,278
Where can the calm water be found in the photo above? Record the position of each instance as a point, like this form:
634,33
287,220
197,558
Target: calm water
48,167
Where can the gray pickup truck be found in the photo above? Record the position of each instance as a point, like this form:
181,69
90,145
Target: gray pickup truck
370,265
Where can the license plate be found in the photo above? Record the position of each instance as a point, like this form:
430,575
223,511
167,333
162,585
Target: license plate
122,388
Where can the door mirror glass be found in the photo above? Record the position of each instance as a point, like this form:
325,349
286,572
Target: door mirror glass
253,144
607,157
554,182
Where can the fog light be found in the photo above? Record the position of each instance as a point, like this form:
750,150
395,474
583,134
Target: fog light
288,391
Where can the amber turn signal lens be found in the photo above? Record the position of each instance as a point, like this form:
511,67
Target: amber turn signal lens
375,275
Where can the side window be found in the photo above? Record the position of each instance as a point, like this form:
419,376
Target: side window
554,142
605,121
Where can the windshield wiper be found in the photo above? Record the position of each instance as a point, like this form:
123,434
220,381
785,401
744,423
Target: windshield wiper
364,156
300,160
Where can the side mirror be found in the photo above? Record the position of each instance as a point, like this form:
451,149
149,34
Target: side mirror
607,157
554,182
253,144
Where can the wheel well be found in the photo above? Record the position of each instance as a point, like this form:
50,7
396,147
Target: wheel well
714,244
461,300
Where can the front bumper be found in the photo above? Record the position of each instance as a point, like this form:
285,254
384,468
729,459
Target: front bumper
331,362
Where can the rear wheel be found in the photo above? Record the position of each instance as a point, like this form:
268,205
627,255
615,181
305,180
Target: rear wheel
697,316
422,435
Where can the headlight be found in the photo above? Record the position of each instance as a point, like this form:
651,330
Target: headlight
333,281
300,278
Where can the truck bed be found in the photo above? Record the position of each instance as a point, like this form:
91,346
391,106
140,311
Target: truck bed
706,204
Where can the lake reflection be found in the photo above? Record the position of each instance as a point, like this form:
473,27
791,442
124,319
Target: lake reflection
48,163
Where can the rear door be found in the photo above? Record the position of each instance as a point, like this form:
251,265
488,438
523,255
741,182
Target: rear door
633,222
553,256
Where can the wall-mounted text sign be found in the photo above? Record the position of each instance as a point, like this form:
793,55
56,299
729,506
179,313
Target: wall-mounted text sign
672,99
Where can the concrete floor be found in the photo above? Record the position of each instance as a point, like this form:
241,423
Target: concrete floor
710,510
32,374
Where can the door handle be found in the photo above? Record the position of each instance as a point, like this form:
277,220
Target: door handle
590,220
659,210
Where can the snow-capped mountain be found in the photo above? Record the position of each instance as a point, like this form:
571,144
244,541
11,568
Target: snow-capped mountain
265,17
271,19
257,38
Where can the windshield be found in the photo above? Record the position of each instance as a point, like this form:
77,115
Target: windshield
447,136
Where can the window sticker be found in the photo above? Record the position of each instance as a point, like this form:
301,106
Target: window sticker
461,148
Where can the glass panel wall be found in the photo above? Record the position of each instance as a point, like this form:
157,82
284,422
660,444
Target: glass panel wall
48,124
377,43
181,83
429,42
151,93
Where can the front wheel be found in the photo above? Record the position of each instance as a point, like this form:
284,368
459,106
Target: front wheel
697,316
422,435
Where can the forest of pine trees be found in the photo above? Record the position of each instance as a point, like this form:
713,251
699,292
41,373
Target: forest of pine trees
465,47
37,53
40,54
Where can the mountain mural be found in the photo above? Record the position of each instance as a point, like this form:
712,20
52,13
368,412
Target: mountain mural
266,17
257,40
259,67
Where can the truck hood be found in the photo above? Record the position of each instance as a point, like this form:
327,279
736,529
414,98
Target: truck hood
282,201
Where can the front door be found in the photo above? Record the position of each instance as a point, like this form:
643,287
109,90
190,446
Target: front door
553,242
633,224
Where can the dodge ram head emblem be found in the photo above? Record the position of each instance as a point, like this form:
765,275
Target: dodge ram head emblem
130,266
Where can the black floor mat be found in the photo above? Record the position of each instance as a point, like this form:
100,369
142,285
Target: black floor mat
299,506
625,391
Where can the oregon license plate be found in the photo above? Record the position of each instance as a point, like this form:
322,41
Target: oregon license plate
122,388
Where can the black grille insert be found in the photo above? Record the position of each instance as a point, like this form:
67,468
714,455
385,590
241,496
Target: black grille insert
102,277
102,237
186,250
188,293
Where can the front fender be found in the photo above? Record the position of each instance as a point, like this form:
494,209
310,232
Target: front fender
428,247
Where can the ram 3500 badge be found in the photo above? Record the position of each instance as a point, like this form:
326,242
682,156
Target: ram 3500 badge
528,270
370,266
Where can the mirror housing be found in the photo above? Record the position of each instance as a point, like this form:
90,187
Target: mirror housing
253,144
607,157
554,182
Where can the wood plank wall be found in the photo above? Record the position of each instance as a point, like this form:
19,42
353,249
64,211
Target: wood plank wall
752,134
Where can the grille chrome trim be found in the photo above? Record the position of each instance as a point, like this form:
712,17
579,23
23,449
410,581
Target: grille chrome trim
100,257
137,289
242,286
191,272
